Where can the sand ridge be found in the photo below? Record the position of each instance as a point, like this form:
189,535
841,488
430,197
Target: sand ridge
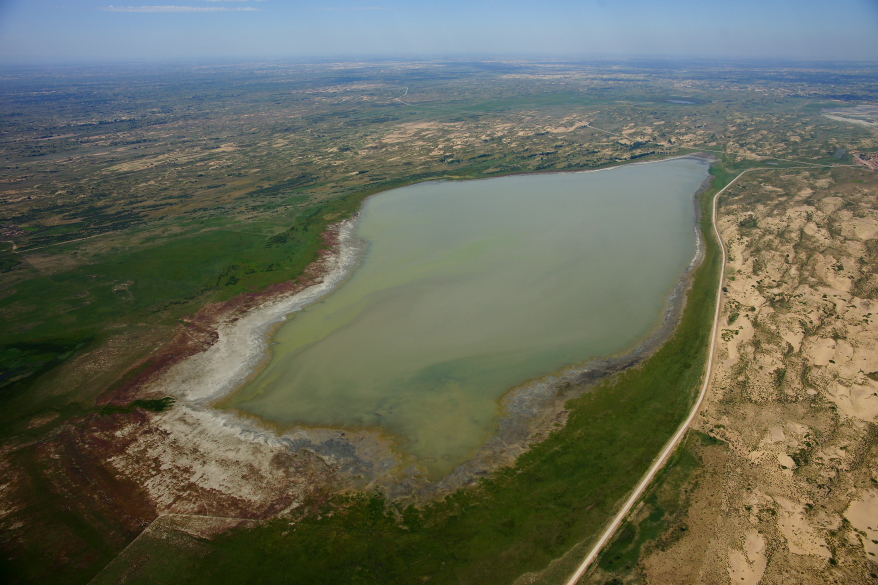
788,495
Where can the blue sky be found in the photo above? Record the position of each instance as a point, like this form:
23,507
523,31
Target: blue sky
112,30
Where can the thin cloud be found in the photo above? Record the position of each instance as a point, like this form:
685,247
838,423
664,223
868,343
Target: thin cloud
351,8
178,9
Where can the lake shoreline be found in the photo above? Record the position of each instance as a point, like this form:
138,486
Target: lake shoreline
530,411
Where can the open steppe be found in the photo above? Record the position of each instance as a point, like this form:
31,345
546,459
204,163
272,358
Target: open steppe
147,210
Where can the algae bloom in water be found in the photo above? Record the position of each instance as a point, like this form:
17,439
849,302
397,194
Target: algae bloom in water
470,289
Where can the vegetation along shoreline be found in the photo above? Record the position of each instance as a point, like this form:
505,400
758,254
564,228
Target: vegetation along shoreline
616,445
242,331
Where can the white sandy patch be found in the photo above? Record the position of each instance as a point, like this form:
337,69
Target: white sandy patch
818,233
405,131
862,513
833,272
775,442
794,338
745,334
857,401
844,351
786,462
830,204
801,537
852,121
243,344
571,124
747,567
745,293
776,434
196,451
861,228
821,351
148,162
865,357
193,452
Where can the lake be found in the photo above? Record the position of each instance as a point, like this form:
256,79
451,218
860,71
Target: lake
470,289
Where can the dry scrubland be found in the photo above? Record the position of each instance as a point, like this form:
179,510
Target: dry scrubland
787,490
145,211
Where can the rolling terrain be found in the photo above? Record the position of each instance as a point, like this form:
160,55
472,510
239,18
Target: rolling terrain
146,210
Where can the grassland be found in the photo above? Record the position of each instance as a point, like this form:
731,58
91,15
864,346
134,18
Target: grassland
132,209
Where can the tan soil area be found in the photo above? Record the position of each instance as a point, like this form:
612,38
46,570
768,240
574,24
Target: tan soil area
863,516
794,497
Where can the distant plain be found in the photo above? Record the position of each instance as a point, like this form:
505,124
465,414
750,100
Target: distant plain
138,201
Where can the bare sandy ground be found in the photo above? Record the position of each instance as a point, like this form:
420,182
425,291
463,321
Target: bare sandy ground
243,343
790,493
863,115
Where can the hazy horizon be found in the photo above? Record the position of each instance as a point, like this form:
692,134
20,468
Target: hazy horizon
92,31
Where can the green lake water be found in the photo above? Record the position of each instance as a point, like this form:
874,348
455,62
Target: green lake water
470,289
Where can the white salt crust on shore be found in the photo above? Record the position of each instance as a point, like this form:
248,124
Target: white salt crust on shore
244,344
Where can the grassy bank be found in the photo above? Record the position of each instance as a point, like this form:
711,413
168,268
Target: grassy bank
557,497
118,299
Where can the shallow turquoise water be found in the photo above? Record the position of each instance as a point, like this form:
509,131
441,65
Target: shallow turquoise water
469,289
